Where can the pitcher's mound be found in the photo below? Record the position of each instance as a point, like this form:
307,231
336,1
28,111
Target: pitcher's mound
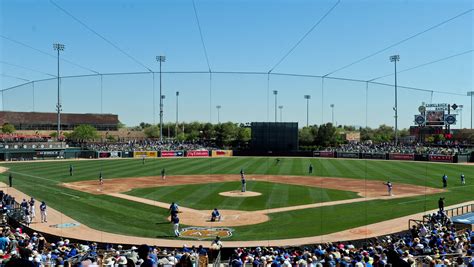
237,193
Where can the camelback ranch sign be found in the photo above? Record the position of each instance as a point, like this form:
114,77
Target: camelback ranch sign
201,233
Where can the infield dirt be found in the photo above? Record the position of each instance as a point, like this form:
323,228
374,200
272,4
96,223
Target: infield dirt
367,189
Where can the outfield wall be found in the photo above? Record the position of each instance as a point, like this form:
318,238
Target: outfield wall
393,156
70,153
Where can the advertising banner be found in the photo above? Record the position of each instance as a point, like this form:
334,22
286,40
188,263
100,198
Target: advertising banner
221,153
348,155
441,158
323,154
171,154
48,153
373,155
398,156
109,154
145,154
197,153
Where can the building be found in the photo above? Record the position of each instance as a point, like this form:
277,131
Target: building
48,121
351,137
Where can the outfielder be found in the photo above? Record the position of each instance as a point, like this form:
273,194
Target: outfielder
463,179
71,170
310,169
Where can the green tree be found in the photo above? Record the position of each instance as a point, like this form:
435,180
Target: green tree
111,138
326,135
83,133
243,137
8,128
144,125
152,131
225,133
306,136
383,134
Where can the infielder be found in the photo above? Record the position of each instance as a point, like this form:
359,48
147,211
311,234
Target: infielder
463,179
244,184
71,170
389,187
163,174
43,212
101,179
10,179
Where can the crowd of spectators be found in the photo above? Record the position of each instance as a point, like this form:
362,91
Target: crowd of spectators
20,249
440,246
435,242
369,147
150,145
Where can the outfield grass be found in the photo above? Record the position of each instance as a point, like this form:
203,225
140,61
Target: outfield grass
42,179
274,195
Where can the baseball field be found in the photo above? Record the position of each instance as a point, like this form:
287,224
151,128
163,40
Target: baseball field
285,200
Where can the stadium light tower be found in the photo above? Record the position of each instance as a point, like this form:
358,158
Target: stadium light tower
332,113
394,59
58,47
218,115
275,92
471,94
176,126
161,59
281,116
307,97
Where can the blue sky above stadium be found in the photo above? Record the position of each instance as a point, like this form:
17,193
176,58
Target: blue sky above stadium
242,36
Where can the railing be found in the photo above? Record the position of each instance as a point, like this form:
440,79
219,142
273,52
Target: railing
449,212
454,211
217,261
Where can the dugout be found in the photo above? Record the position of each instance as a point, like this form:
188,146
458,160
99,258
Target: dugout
274,136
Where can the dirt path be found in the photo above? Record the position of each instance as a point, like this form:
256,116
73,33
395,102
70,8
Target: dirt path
365,188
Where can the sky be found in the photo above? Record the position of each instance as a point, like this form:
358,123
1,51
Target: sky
239,36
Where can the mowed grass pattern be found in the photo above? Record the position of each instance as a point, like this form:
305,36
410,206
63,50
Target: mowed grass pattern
42,180
274,195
